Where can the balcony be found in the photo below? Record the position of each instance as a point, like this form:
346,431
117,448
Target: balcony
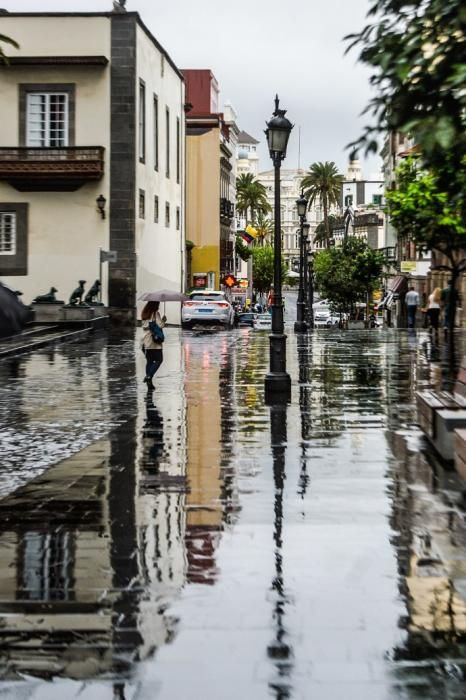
51,169
227,210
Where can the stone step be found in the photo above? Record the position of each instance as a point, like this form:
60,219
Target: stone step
22,344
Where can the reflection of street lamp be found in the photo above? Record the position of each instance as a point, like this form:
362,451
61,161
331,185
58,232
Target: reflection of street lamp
310,262
300,324
277,380
279,650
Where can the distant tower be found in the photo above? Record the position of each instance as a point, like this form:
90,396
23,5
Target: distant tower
354,170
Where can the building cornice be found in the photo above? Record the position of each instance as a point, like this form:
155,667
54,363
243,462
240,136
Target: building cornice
108,15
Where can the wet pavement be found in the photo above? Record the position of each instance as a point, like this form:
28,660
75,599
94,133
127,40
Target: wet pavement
200,544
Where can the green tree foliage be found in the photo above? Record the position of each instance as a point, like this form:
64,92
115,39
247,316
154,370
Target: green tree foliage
262,268
251,197
242,250
265,229
347,274
417,51
422,211
6,40
323,183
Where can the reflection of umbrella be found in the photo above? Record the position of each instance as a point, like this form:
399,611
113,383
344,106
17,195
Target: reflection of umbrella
13,314
163,295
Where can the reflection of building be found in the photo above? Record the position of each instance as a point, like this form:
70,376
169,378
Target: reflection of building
204,507
210,211
56,561
95,115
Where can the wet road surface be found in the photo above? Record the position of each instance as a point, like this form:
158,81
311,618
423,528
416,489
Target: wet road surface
199,544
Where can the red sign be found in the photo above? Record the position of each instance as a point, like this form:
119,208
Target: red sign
229,281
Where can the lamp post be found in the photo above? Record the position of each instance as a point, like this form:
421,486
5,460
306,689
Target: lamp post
300,325
277,381
306,229
310,261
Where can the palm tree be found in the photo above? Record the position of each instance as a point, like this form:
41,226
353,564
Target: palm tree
323,182
251,196
264,228
320,233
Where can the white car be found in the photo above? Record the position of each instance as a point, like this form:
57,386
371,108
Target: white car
322,318
207,306
262,322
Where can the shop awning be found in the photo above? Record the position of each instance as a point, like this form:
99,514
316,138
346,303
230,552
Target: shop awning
398,285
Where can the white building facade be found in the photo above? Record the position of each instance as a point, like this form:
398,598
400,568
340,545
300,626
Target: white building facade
99,119
290,191
247,156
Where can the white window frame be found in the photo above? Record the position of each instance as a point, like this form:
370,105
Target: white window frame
12,216
66,121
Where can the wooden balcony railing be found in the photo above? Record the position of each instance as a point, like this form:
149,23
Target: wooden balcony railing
33,169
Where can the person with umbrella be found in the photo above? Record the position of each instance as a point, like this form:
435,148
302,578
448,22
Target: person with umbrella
152,343
152,324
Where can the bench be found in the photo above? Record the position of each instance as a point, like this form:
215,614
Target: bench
460,454
440,413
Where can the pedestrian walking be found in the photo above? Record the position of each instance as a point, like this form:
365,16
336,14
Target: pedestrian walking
433,308
152,339
412,302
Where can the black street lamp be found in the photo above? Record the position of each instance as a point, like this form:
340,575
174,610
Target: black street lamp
300,325
310,261
277,381
306,229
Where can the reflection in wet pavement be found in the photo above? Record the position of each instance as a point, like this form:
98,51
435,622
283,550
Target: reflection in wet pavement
195,542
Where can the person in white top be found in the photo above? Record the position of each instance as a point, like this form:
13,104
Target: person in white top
433,308
412,302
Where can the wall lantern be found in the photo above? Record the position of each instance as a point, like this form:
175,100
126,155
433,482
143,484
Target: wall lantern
101,202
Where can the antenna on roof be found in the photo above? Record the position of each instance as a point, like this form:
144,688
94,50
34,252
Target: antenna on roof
299,147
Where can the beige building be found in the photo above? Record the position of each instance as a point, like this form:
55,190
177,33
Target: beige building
93,119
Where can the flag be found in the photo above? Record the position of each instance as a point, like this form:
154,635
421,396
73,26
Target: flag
249,234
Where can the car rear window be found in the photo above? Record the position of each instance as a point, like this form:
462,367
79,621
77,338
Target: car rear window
207,297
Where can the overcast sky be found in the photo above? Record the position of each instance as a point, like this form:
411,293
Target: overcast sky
256,48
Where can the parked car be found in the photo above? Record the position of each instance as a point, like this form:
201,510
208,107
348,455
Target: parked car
322,318
207,306
246,318
263,322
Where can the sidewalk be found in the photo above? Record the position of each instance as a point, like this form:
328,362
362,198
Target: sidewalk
202,544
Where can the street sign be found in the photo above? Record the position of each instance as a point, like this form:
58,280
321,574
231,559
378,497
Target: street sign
108,256
229,281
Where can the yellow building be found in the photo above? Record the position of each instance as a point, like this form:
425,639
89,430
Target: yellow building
209,210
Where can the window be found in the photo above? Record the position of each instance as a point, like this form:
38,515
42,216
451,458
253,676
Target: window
167,144
156,209
7,233
167,214
47,119
142,121
142,204
377,199
178,218
178,150
13,238
156,132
